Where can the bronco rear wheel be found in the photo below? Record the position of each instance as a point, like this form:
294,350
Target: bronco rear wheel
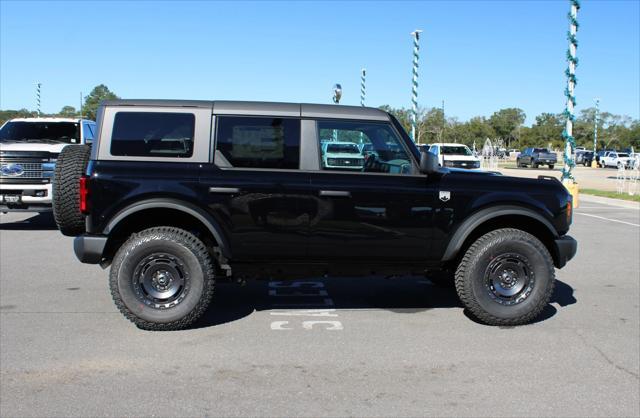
506,277
162,279
70,166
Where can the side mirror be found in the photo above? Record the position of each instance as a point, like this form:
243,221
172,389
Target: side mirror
428,163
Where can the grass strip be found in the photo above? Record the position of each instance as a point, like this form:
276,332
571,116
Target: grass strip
612,195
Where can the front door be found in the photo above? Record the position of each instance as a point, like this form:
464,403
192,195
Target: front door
373,207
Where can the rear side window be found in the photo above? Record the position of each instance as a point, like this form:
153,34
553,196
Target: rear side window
151,134
88,131
255,142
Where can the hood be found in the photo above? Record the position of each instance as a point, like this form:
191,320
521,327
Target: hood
460,158
32,146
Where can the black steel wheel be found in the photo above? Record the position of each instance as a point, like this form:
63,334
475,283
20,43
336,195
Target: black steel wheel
162,279
506,277
509,278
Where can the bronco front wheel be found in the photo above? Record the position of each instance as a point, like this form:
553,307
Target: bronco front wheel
162,279
506,277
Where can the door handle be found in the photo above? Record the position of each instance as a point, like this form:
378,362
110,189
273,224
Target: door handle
335,193
224,190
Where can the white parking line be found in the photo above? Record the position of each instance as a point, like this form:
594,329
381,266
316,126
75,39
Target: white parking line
607,219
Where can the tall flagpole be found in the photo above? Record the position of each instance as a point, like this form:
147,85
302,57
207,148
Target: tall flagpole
363,90
414,83
572,60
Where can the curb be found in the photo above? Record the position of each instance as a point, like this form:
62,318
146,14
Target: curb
609,201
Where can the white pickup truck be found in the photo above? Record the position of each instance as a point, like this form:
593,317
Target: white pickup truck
616,159
29,148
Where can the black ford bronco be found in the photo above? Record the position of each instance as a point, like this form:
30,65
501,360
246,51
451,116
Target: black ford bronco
174,195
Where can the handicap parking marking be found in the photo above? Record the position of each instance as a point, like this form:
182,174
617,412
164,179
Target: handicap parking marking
301,294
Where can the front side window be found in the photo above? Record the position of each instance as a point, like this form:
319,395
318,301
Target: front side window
366,147
259,142
153,134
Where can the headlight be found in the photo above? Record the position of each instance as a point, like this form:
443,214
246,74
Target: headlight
331,161
476,164
448,164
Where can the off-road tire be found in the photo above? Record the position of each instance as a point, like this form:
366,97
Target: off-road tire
471,276
199,282
70,166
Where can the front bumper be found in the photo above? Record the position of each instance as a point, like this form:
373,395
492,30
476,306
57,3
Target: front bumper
33,197
564,248
89,248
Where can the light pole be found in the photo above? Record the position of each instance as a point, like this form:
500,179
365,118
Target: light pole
570,143
414,83
572,60
38,85
363,91
595,133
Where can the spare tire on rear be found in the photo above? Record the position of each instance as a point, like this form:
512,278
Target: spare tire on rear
70,166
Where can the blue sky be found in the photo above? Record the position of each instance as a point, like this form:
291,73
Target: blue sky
479,56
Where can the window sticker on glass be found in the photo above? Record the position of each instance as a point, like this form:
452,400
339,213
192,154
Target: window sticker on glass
251,140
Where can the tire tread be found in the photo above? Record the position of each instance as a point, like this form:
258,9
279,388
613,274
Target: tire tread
70,165
179,236
465,292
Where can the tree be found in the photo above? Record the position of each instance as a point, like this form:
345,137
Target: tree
506,123
547,129
92,101
68,112
6,115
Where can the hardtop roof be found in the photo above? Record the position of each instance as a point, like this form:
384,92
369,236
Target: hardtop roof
227,107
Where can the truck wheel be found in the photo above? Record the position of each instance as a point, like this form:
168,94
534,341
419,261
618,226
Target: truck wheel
162,279
551,166
70,166
506,277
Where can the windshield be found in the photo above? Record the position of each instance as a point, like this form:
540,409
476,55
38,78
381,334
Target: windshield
542,150
64,132
343,148
455,150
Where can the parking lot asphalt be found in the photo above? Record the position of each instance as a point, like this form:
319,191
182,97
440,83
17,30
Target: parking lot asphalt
368,347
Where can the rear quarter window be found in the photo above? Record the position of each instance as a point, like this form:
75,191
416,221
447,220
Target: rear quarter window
150,134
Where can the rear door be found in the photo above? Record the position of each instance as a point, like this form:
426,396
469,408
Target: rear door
256,187
380,212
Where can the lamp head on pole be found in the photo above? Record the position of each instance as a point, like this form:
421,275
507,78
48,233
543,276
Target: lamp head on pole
337,93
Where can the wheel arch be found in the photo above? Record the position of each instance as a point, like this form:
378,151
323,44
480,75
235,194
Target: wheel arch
164,212
493,218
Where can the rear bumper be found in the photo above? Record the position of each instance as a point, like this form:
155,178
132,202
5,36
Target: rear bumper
565,248
89,248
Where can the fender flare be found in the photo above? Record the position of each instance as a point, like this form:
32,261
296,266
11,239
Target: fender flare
207,220
472,222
